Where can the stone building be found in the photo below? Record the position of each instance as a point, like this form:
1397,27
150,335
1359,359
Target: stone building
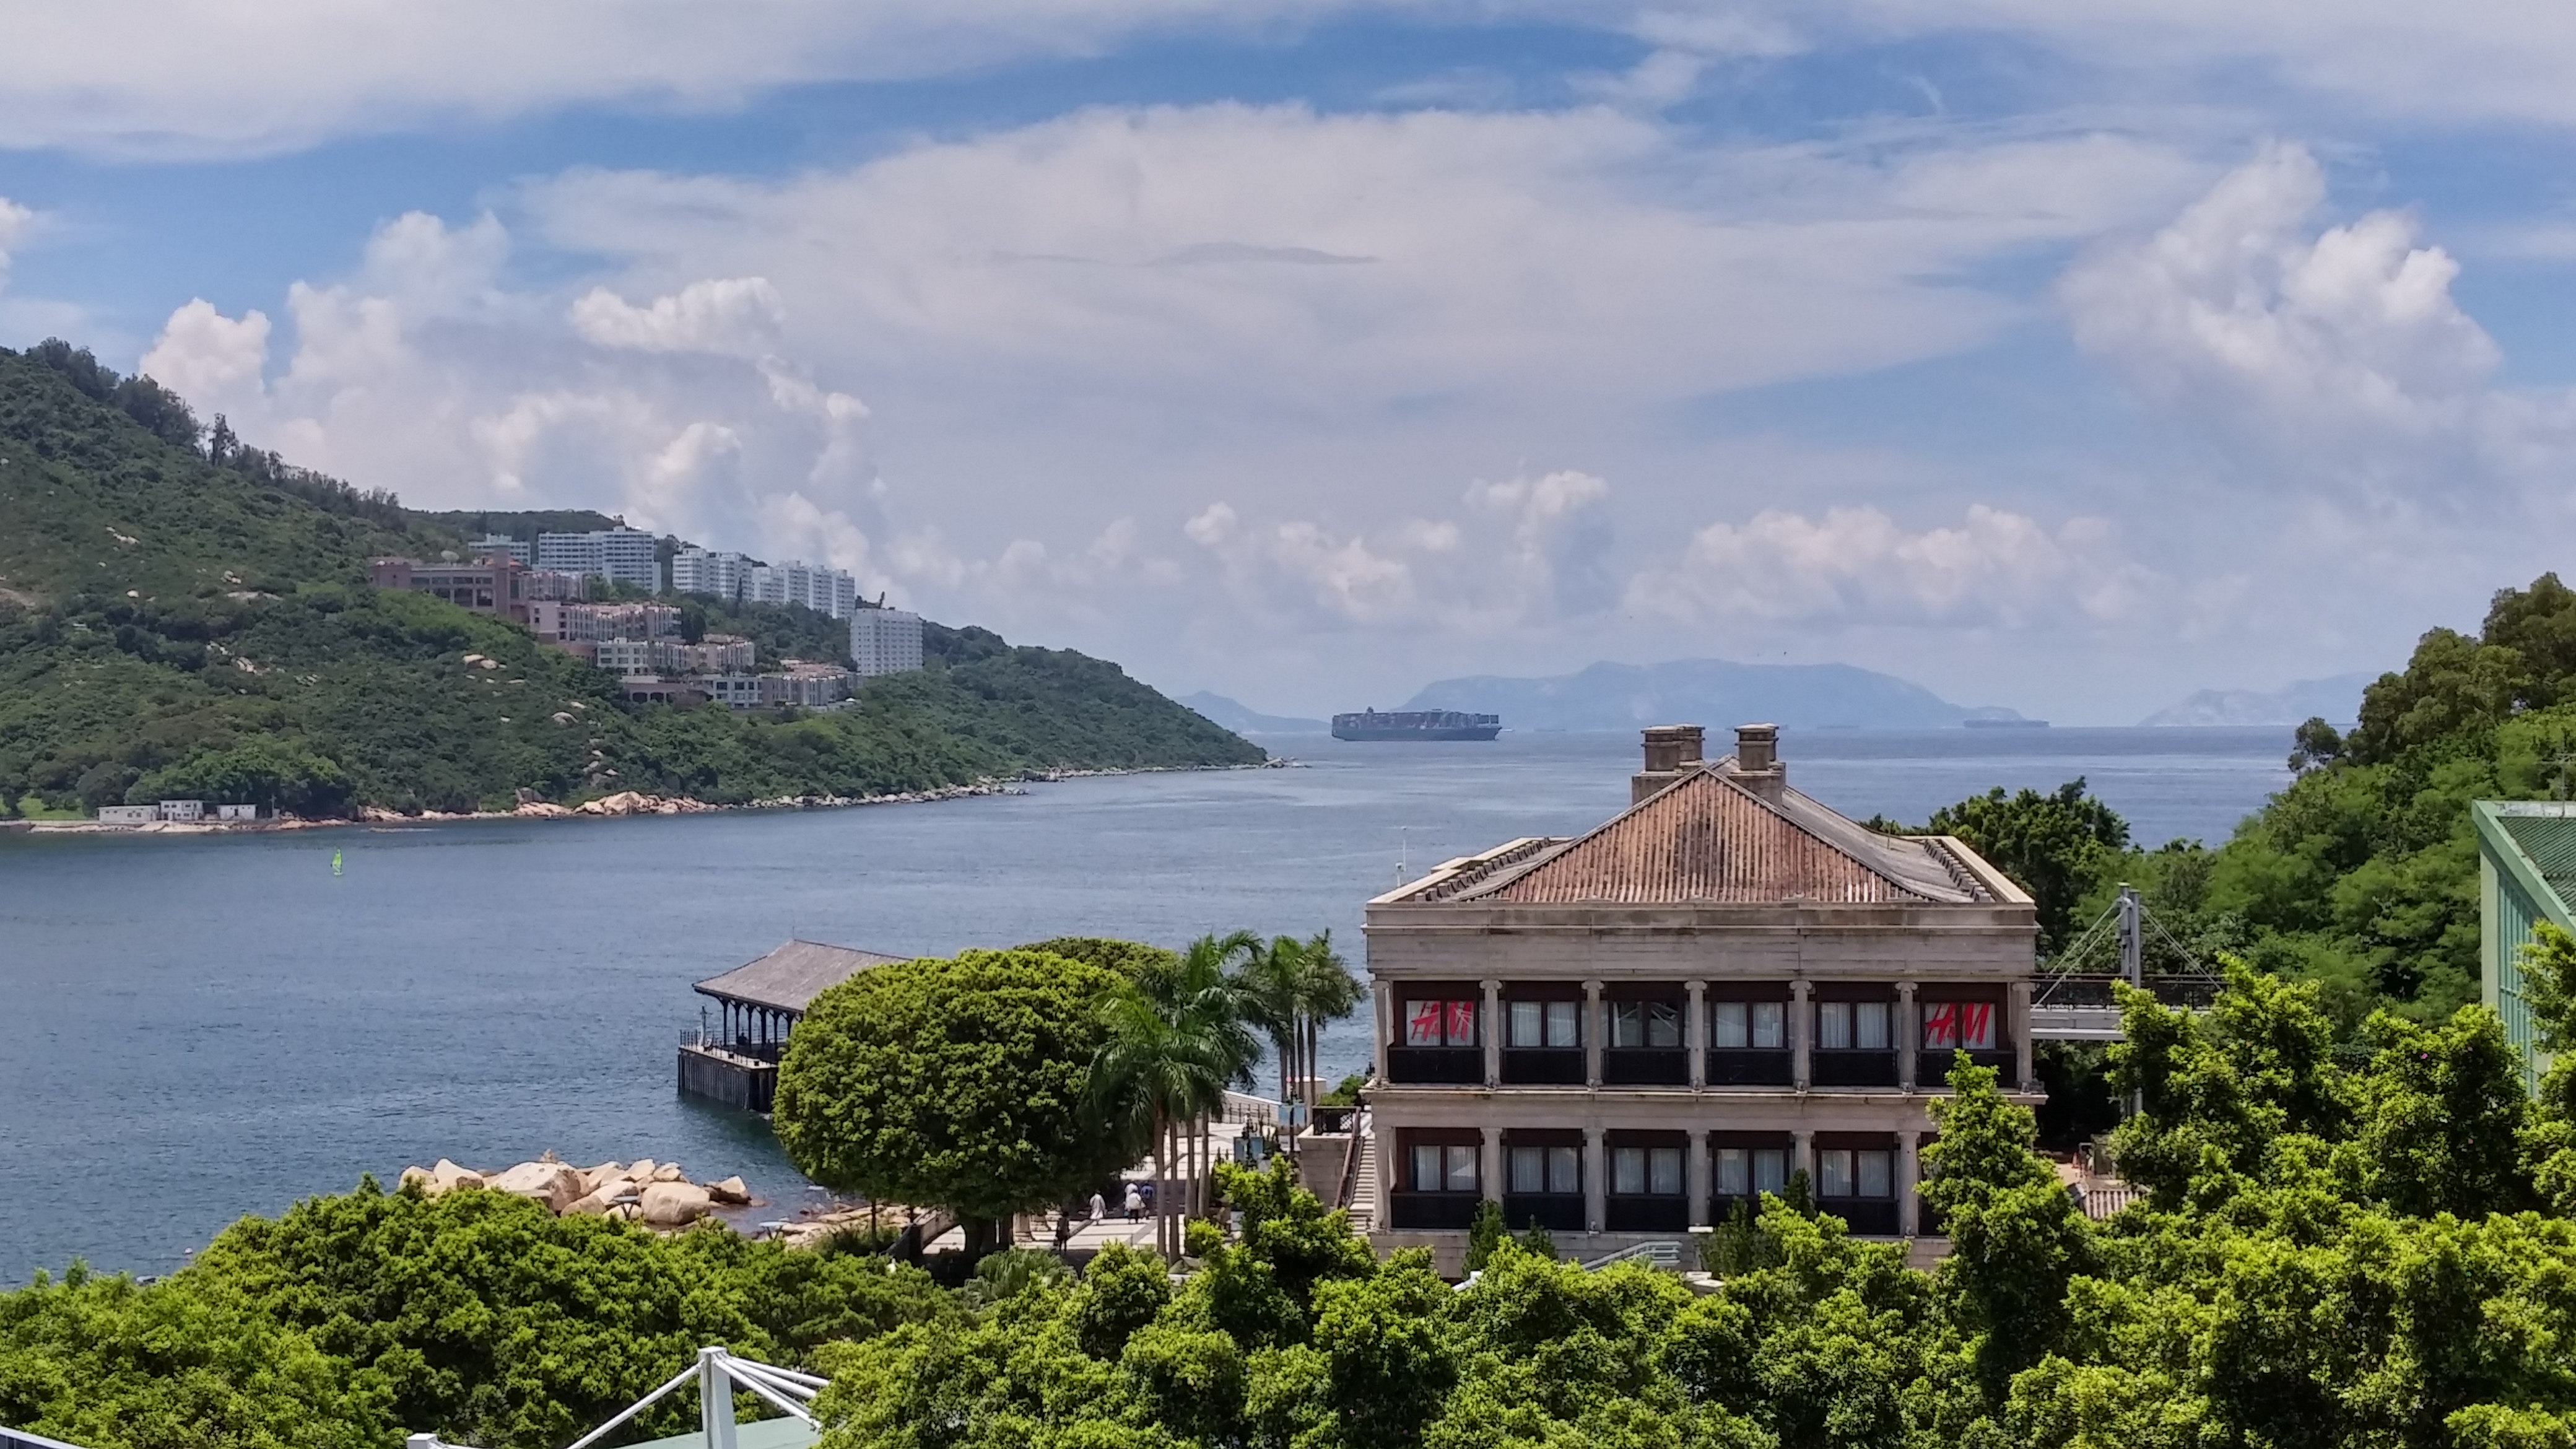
1621,1034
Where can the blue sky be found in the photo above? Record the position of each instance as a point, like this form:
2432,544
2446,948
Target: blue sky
2070,358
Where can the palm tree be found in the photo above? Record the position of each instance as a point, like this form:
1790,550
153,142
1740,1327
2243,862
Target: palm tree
1178,1036
1326,991
1270,979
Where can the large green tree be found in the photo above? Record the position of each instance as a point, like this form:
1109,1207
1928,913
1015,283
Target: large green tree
963,1083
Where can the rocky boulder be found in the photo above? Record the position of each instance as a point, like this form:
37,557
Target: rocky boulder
674,1204
446,1177
551,1183
730,1192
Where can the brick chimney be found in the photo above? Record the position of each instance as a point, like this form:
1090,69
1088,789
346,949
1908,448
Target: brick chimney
1672,751
1757,760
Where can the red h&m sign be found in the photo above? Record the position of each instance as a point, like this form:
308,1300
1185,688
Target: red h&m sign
1949,1025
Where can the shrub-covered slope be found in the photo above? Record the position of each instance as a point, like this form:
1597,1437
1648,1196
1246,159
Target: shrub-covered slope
183,617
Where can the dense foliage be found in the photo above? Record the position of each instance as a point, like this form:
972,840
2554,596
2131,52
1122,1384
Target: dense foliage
2333,1256
2362,875
961,1083
184,622
480,1317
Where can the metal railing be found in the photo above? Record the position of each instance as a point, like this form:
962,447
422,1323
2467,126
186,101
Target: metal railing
1663,1253
1244,1109
1351,1159
716,1373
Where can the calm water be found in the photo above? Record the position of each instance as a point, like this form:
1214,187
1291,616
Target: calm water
202,1028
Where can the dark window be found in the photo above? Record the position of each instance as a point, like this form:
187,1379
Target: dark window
1650,1024
1748,1025
1547,1024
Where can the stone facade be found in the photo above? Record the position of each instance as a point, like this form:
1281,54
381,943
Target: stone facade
1619,1035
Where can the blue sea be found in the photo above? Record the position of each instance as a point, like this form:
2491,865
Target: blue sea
200,1028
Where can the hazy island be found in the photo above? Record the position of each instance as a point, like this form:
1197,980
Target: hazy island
185,617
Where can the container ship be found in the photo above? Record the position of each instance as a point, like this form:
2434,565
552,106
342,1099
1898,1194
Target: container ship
1416,724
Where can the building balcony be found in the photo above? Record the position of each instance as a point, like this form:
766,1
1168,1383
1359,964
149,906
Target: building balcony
1432,1211
1645,1067
1647,1215
1436,1066
1558,1212
1852,1068
1867,1217
1739,1068
1543,1066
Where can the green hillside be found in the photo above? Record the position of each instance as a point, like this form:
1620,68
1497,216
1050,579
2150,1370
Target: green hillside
182,616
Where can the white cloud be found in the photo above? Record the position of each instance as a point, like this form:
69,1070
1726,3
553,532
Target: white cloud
216,362
1857,565
1339,261
162,77
2481,59
734,315
1528,553
15,222
2339,354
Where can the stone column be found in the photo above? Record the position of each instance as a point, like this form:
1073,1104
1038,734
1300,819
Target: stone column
1490,1033
1695,1034
1489,1172
1909,1036
1802,1033
1909,1179
1382,1142
1596,1180
1593,1024
1802,1156
1695,1178
1382,1002
2020,1029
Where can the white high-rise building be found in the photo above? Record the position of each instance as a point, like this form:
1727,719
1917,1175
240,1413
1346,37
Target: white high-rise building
825,591
619,555
884,641
714,575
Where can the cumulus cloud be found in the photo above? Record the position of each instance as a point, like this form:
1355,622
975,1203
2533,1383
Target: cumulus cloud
216,362
1528,552
424,372
736,315
2338,353
1993,568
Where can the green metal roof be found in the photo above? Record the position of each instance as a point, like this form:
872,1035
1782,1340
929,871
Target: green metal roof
779,1433
2536,841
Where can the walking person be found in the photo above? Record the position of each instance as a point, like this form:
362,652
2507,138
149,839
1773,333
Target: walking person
1099,1209
1135,1203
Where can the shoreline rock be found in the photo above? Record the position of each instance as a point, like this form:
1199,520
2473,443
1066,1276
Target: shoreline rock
657,1194
625,804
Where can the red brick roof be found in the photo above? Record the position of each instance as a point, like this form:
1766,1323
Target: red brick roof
1711,839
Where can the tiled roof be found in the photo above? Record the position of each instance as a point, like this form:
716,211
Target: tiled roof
789,978
1710,839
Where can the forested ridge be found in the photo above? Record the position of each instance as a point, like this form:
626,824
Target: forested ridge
181,615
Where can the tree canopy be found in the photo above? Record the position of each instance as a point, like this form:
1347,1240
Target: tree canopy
963,1083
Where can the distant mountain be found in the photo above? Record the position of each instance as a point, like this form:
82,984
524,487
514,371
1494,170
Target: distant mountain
2336,700
1718,693
1218,709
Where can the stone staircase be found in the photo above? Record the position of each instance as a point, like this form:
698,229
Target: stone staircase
1359,1192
